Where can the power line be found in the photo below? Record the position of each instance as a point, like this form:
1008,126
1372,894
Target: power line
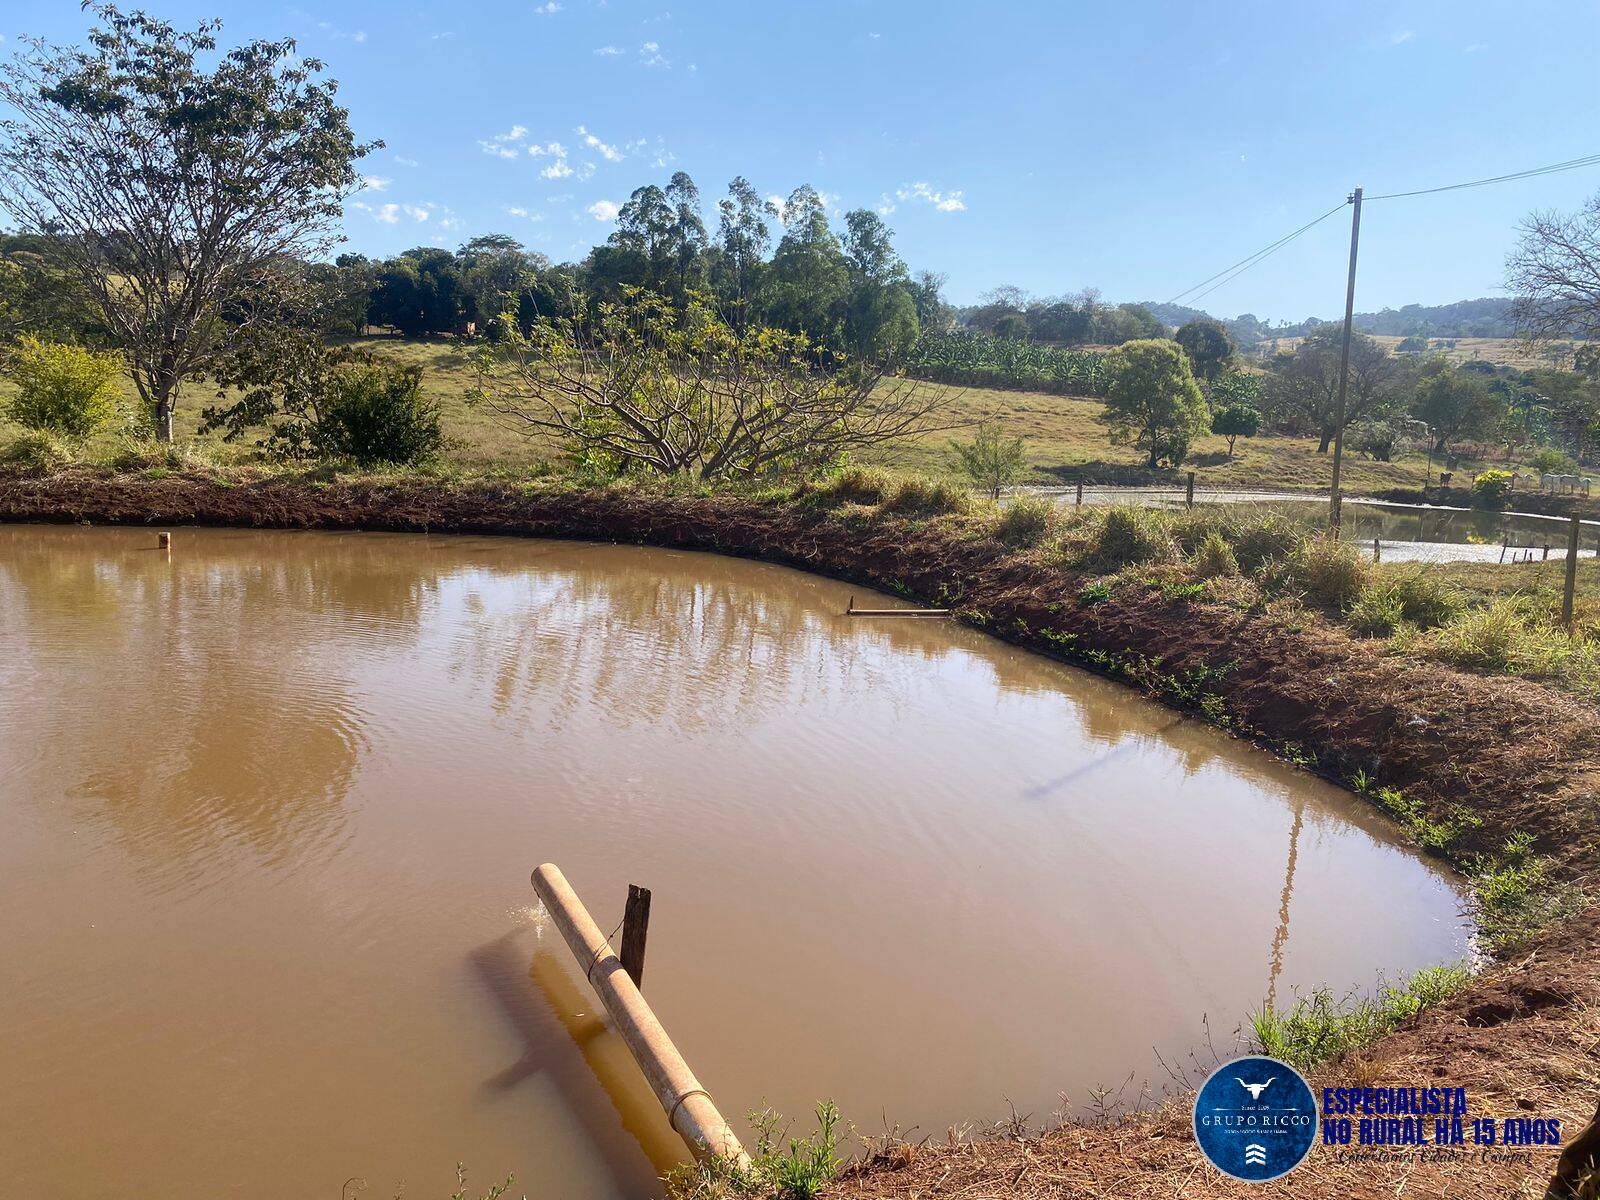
1244,264
1570,165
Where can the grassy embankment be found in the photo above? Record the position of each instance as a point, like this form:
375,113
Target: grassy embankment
1065,442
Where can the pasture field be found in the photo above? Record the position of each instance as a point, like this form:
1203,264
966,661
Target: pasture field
1065,441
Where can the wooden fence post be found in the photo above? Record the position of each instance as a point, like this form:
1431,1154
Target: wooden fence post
635,929
1188,497
1572,571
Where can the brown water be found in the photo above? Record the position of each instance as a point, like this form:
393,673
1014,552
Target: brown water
268,809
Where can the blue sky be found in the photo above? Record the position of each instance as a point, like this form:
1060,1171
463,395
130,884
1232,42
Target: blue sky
1132,147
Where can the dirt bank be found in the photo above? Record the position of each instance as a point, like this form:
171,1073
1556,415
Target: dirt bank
1515,755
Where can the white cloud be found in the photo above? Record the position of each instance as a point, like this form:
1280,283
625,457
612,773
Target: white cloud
505,145
548,9
650,55
609,153
604,210
439,37
920,191
559,169
406,162
1401,36
527,214
356,35
1475,48
886,206
389,214
778,205
374,183
608,51
417,212
449,223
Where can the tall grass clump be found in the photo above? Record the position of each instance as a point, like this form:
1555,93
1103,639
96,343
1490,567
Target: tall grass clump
36,452
1320,1028
1330,573
1214,558
853,485
1026,521
920,497
1428,602
1125,536
1508,636
1377,613
1264,536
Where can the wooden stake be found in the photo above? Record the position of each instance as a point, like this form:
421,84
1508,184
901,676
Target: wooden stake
1080,494
635,928
1374,549
164,541
1572,571
1188,496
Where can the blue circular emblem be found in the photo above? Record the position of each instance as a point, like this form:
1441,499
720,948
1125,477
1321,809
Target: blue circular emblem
1255,1119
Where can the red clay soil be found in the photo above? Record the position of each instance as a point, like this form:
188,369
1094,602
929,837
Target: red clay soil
1517,755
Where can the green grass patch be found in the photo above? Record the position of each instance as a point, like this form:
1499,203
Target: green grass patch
1320,1028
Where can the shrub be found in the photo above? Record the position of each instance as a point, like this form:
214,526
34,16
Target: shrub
36,453
64,390
1125,536
1491,488
1378,613
1215,558
1026,521
1428,602
921,497
1330,573
1551,461
376,413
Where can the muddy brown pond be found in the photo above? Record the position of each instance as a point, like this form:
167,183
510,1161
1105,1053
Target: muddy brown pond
268,810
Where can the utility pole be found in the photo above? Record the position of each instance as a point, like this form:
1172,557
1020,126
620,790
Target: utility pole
1334,496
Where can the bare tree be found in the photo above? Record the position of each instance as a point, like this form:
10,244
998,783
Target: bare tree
648,386
1554,273
168,190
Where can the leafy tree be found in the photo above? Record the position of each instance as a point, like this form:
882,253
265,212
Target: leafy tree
809,276
419,292
65,390
933,315
1154,402
1013,327
173,189
992,459
1455,404
1234,412
1303,386
882,324
650,385
493,270
868,243
1126,322
1208,346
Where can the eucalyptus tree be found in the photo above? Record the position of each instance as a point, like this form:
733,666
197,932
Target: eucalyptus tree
743,238
173,179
